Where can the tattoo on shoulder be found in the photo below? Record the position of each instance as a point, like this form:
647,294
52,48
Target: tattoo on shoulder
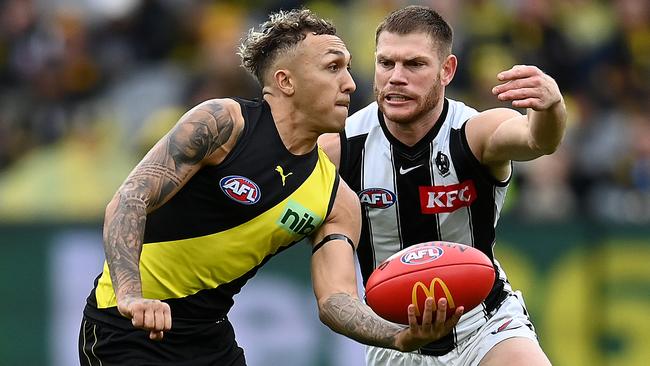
201,133
205,130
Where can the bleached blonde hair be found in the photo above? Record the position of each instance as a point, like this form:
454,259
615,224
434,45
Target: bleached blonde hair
281,33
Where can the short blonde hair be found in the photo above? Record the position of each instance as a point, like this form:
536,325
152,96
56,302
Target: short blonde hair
282,32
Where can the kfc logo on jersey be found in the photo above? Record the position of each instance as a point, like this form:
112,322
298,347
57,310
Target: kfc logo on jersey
240,189
377,197
440,199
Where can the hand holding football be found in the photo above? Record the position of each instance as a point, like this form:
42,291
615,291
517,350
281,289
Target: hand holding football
460,273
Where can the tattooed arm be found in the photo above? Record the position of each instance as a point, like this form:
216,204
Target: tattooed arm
204,135
335,286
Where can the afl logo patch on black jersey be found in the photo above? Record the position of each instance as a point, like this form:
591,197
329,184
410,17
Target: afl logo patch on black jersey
240,189
377,197
442,163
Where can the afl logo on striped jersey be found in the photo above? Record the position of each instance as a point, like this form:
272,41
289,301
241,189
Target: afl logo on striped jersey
423,253
377,197
240,189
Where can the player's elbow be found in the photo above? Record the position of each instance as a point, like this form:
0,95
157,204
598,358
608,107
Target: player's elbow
112,205
322,315
325,314
331,307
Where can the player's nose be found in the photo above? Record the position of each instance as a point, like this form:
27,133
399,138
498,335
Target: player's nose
397,75
348,86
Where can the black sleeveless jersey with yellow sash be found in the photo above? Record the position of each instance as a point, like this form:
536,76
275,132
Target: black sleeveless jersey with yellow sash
202,246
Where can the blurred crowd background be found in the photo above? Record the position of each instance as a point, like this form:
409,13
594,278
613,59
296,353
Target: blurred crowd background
87,86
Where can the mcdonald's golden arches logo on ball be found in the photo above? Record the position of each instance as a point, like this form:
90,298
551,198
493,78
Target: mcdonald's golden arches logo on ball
430,291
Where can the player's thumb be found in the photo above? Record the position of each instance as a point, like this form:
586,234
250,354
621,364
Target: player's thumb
156,335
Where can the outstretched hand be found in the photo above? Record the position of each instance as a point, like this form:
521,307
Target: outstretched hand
527,87
418,335
152,315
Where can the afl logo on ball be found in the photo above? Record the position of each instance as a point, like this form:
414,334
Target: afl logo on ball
420,254
240,189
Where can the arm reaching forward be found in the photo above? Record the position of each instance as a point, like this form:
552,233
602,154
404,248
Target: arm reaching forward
497,136
204,135
335,286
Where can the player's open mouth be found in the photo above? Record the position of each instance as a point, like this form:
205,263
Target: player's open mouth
397,98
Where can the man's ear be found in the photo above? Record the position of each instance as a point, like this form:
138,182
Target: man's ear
448,70
284,82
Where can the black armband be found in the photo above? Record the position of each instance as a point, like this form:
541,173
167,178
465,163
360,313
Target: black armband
331,237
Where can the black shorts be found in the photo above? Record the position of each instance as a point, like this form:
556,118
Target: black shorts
200,344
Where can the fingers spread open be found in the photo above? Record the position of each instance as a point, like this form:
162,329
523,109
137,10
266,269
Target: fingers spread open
427,317
413,320
441,312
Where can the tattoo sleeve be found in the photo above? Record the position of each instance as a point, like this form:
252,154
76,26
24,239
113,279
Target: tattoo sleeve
162,172
349,316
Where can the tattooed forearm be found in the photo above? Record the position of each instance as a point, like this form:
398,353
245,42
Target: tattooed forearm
123,233
350,317
157,170
124,226
154,182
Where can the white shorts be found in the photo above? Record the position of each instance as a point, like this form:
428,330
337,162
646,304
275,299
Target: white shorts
509,320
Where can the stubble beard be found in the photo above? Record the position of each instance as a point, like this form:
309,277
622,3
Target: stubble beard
429,102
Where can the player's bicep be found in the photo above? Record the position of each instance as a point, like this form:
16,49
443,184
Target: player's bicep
204,135
344,218
333,261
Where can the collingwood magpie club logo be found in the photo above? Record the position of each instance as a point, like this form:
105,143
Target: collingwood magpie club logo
442,163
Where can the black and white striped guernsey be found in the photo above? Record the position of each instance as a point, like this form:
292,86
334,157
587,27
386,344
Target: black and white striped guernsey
434,190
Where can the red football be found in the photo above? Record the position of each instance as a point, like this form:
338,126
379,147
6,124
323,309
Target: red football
460,273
